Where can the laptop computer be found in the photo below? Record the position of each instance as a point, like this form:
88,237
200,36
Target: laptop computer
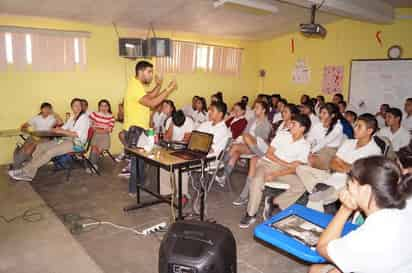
198,147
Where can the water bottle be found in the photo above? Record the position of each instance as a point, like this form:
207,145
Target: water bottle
151,140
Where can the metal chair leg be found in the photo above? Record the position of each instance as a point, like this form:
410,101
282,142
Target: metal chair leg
91,166
110,155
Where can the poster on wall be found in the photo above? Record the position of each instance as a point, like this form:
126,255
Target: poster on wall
332,79
301,72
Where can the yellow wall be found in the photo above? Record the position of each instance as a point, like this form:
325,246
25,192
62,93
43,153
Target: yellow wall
346,40
105,77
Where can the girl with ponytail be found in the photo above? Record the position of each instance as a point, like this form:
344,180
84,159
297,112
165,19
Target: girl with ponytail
376,187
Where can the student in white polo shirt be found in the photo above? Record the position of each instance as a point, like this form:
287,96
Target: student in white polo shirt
181,128
407,121
382,244
44,121
399,136
308,109
287,151
217,127
352,149
325,137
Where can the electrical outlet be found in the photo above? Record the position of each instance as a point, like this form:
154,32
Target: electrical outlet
154,229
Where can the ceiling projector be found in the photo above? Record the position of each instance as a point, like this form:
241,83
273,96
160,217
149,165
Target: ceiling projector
313,29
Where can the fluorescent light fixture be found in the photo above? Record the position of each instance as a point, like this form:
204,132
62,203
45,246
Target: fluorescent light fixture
255,4
29,57
9,48
76,51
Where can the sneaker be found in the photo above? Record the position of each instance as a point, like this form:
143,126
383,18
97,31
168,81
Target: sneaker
270,208
246,221
19,175
240,201
132,195
221,180
120,157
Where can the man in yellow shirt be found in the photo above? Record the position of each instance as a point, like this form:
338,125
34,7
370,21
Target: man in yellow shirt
137,106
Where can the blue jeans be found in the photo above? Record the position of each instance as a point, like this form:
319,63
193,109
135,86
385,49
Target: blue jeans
134,176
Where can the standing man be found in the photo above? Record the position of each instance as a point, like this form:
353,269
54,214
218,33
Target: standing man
137,106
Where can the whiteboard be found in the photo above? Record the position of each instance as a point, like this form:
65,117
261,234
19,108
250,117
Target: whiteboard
373,82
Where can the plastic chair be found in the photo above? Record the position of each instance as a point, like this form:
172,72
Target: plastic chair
289,244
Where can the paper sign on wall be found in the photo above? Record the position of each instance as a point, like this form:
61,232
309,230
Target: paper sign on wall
301,72
332,79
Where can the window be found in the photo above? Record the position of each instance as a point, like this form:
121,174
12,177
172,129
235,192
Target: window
187,57
44,50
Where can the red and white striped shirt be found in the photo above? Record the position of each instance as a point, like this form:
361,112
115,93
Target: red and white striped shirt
101,120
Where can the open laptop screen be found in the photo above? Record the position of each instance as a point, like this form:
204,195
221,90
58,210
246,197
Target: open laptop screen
200,142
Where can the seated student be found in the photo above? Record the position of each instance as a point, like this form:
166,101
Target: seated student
237,122
102,123
44,121
273,109
381,115
304,99
168,108
253,141
377,188
399,136
352,149
320,101
278,116
250,113
180,129
217,97
189,109
217,127
287,151
200,114
157,119
407,121
289,110
337,97
325,137
308,110
75,131
342,107
351,117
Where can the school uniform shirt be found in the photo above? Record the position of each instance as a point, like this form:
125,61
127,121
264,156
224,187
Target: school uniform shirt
349,153
250,114
188,110
220,133
158,120
199,117
259,129
381,121
313,119
282,128
277,117
289,150
135,114
39,123
236,126
81,127
318,139
407,122
381,245
399,139
102,120
179,132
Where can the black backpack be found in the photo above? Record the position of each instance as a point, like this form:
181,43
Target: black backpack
133,135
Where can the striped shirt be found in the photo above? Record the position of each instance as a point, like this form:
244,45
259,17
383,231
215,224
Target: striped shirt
101,120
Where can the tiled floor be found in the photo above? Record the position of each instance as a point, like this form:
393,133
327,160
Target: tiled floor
118,251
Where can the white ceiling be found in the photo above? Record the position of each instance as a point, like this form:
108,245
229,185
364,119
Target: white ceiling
197,16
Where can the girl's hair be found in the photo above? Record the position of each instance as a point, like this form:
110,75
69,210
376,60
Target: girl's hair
309,105
81,111
294,110
218,96
389,187
333,111
108,104
204,105
241,105
264,105
45,105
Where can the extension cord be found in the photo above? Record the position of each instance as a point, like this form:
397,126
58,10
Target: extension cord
154,229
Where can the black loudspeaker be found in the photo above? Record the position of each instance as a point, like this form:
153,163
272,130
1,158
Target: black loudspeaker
197,247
